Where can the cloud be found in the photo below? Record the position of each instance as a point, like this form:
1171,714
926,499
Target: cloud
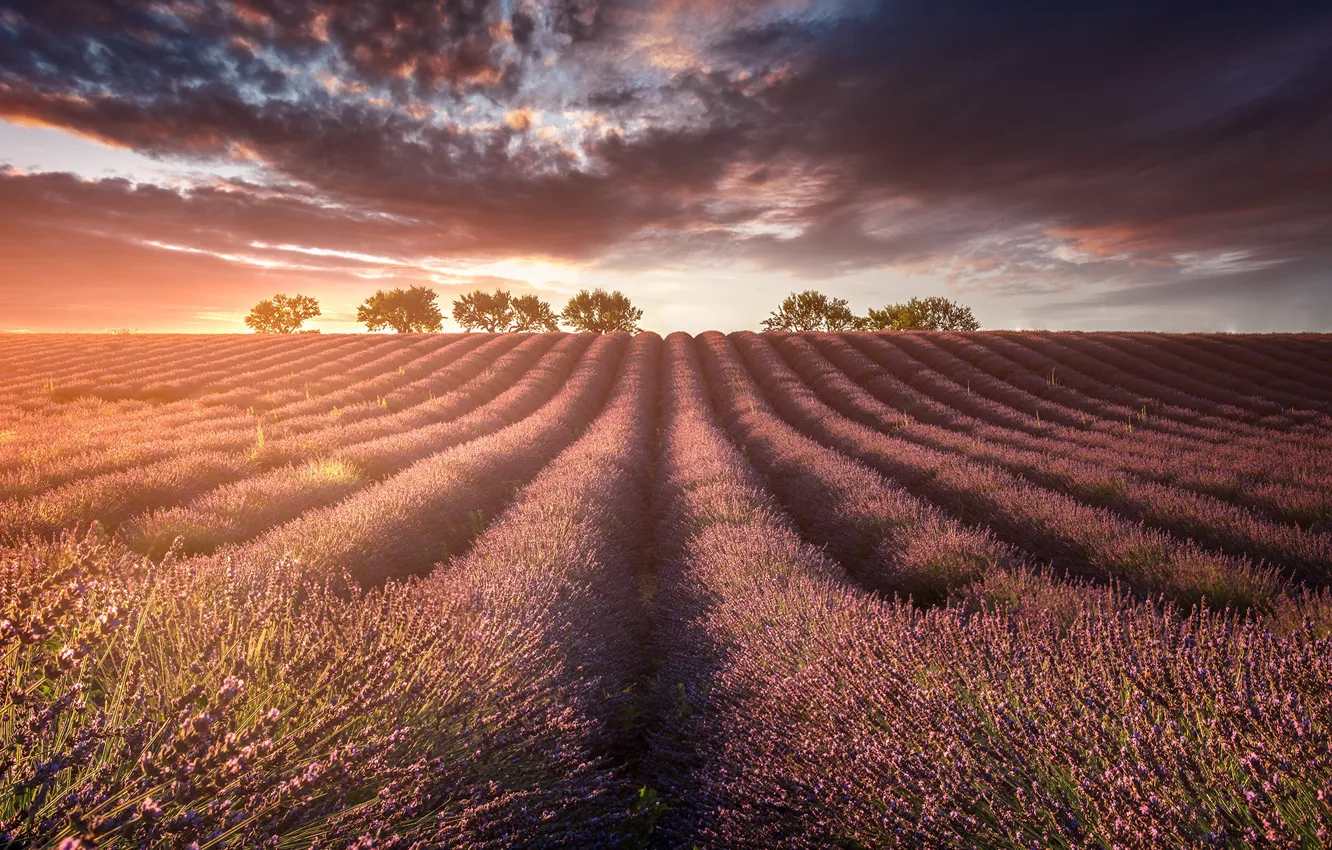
1031,147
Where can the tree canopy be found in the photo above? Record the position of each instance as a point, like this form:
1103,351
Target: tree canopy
530,313
811,311
599,311
921,314
481,310
500,311
404,310
281,314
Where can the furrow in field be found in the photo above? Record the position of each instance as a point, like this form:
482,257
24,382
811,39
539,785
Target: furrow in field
887,539
1210,522
794,711
1231,384
1287,488
1268,359
296,382
1076,383
1128,371
1098,376
216,429
1288,349
270,356
548,602
133,367
478,375
57,359
247,353
431,510
478,705
1075,363
943,401
1149,425
1071,537
378,385
114,497
1304,386
44,354
219,389
1087,411
733,579
297,386
241,509
929,370
977,358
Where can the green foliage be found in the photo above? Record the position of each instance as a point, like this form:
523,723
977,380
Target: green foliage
281,314
811,311
646,810
481,310
404,310
599,311
530,313
500,311
920,314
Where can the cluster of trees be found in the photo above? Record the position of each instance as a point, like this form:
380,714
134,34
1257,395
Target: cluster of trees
414,310
597,311
813,311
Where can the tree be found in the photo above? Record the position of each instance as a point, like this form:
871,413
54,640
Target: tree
532,314
811,311
282,314
483,310
921,314
601,312
499,311
404,310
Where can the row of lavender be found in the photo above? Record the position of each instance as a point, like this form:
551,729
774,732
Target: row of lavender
462,701
227,496
1022,409
1235,471
1081,519
1197,377
259,483
798,710
234,702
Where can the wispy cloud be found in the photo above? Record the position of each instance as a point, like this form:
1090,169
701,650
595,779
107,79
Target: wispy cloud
1016,149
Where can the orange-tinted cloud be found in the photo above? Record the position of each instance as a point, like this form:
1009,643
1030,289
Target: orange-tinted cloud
992,144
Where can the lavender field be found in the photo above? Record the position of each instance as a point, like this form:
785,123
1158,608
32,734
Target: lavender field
975,590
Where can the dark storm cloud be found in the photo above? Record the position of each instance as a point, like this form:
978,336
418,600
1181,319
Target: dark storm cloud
1140,118
972,138
172,80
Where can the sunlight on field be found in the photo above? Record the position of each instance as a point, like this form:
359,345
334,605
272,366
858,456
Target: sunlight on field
318,472
610,590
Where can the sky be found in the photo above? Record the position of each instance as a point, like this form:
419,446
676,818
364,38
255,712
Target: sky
1104,164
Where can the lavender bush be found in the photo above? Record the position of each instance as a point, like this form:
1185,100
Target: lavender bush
983,590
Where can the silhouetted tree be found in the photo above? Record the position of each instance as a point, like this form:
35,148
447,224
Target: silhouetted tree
921,314
404,310
601,312
530,313
500,311
482,310
282,314
811,311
